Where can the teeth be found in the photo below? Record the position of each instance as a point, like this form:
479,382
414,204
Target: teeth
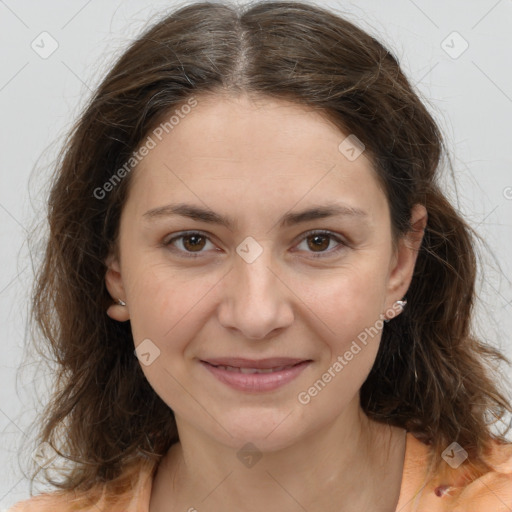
252,370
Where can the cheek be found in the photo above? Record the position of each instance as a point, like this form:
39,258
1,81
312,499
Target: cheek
157,302
351,298
168,305
350,304
166,308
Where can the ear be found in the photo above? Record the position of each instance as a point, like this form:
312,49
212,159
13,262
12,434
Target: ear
404,260
114,283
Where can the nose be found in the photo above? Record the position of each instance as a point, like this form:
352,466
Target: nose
255,299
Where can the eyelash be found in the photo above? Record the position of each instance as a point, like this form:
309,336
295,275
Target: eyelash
329,234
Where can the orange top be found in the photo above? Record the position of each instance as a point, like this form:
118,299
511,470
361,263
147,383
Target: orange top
455,490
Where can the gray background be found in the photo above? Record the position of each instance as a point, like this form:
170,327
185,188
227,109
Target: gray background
469,93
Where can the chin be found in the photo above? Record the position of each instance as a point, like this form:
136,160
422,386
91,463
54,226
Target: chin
269,430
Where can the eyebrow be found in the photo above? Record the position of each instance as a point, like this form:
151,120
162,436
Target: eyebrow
289,219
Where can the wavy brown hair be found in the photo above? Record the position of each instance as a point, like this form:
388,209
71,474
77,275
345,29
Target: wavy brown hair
431,376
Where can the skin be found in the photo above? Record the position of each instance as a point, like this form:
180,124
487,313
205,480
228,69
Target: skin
255,159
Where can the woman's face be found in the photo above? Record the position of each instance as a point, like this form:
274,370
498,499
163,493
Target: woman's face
240,269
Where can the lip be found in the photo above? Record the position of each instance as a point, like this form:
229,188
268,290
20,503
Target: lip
257,382
240,362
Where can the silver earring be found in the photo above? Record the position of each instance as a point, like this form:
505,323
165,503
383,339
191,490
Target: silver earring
401,303
121,302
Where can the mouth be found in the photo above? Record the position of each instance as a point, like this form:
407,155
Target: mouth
255,375
253,370
270,363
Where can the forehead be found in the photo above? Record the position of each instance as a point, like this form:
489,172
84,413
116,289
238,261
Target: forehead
252,126
256,148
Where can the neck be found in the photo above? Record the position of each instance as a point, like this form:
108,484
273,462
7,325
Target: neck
349,465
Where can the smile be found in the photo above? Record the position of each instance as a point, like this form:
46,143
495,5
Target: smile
253,370
256,380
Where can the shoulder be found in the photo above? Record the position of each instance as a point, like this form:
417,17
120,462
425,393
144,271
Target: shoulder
129,493
469,487
472,487
50,502
489,491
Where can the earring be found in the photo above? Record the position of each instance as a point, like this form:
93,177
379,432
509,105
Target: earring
401,303
121,302
393,312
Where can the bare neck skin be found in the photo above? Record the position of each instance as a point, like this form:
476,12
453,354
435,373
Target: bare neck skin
352,465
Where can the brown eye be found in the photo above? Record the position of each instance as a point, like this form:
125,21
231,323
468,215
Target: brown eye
318,242
191,244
